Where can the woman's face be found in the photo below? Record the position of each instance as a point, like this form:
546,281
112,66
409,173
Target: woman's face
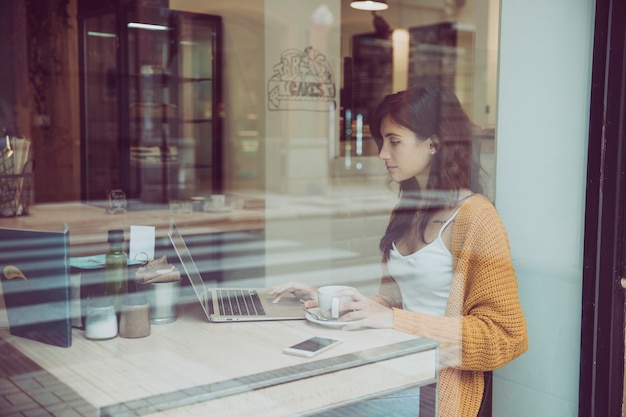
405,155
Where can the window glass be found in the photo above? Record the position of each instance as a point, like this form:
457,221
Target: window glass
248,124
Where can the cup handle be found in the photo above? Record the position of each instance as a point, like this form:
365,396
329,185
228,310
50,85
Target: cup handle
334,311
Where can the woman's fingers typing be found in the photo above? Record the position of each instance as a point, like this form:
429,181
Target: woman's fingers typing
300,290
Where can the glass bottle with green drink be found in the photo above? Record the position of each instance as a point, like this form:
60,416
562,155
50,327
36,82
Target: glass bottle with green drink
115,268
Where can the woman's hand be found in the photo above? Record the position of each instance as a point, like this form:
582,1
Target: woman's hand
303,292
365,311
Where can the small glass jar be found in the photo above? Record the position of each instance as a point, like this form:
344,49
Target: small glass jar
101,321
135,317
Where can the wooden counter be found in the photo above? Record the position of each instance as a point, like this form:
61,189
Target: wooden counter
89,224
195,368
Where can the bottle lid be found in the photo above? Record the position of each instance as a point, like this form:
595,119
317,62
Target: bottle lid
116,236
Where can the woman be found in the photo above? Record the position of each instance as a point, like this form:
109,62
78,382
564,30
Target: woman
447,267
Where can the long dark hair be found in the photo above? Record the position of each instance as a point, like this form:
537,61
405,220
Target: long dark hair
431,111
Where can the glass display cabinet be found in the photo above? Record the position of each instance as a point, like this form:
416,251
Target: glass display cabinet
151,98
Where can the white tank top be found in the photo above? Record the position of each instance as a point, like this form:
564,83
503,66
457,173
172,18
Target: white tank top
425,276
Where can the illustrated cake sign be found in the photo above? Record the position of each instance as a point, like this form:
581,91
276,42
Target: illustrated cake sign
303,80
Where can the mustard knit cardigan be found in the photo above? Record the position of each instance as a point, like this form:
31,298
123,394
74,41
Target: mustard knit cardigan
484,326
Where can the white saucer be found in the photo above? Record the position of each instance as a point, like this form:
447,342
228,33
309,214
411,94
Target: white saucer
327,323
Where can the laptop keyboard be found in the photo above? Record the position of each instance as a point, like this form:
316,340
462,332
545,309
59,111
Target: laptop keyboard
240,303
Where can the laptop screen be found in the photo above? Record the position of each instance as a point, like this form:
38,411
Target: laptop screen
34,271
189,265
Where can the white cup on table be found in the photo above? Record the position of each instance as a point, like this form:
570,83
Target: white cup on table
330,302
218,201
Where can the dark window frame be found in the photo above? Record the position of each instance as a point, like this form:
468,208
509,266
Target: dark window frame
602,325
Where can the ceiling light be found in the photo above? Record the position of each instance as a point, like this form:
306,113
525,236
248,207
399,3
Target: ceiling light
371,5
148,26
101,34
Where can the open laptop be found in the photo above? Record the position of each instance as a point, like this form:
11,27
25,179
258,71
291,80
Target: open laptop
233,304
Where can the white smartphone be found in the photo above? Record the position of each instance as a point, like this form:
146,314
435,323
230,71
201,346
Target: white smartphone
312,346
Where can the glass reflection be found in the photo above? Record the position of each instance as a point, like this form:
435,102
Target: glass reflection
306,196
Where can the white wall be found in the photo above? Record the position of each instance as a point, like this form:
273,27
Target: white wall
300,131
542,129
301,128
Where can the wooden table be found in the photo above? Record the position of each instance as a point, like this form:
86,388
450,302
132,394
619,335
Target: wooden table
195,368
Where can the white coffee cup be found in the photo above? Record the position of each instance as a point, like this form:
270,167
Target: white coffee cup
218,201
329,302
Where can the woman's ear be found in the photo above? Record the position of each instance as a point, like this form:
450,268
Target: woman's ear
434,142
